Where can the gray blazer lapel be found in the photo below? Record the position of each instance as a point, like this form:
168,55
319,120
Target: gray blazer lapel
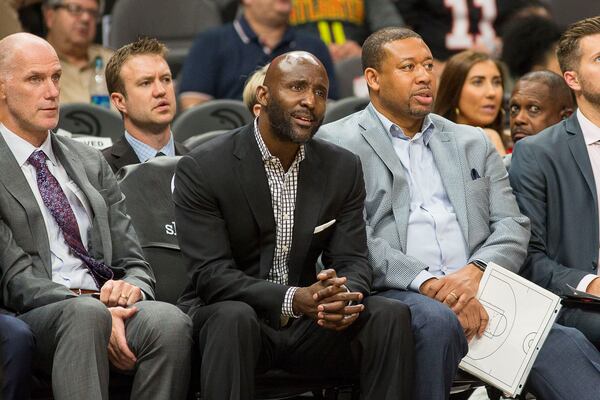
580,154
253,180
448,160
375,135
76,171
13,179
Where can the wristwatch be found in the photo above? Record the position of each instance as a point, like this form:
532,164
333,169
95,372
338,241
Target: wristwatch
482,265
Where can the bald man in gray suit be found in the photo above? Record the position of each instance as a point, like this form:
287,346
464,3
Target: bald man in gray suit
66,238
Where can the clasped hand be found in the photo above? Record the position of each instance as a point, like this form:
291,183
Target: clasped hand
328,301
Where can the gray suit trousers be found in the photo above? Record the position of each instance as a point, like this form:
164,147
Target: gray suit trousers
72,338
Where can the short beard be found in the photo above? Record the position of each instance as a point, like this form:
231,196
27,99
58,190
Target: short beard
282,124
418,113
591,97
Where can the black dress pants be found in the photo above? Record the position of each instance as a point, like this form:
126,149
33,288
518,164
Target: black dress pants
234,344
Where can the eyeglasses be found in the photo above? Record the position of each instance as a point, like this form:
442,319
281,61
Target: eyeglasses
77,11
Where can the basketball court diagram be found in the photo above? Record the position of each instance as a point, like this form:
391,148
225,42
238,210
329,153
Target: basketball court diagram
520,315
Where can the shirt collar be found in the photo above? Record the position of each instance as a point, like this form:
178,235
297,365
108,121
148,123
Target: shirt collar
591,132
247,35
427,129
264,150
145,152
22,149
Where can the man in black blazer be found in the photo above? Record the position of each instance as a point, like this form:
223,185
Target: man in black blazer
141,87
254,211
556,175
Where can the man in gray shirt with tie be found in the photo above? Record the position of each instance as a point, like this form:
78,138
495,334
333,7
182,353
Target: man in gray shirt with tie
70,263
438,208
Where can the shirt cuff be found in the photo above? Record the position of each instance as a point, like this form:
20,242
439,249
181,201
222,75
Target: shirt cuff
419,279
584,283
287,309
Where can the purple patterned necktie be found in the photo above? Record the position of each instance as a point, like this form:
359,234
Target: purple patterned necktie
55,200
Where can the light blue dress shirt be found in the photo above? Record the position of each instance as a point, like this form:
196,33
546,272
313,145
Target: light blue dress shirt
433,234
145,152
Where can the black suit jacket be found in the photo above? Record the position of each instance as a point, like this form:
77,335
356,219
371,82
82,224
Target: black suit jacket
226,228
121,154
552,177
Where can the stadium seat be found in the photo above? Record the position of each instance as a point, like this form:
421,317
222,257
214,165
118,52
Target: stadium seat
152,216
344,107
197,140
90,120
175,23
211,116
346,72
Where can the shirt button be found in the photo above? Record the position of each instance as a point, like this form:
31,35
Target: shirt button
285,216
284,248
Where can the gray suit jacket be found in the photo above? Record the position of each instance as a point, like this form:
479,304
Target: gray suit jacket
487,212
554,184
25,264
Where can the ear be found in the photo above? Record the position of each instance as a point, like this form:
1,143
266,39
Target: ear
119,102
572,80
49,17
566,112
262,95
372,78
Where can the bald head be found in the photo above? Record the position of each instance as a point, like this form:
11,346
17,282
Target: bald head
540,99
293,96
17,46
561,92
292,62
29,86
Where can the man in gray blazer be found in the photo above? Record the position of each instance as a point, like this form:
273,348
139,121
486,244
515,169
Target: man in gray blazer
555,176
438,208
65,238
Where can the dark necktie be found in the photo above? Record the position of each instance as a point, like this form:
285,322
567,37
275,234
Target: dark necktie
160,154
56,201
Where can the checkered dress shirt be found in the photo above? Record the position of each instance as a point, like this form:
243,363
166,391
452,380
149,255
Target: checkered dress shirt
283,186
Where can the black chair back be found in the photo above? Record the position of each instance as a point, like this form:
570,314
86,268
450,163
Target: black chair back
211,116
90,120
147,190
344,107
197,140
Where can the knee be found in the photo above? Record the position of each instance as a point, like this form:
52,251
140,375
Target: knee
439,318
392,311
168,324
86,312
17,337
437,323
234,314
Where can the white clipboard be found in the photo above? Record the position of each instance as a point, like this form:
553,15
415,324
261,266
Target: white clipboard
521,314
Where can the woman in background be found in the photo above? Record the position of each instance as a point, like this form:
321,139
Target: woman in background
471,92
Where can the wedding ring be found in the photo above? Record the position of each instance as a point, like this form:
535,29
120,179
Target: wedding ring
453,295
